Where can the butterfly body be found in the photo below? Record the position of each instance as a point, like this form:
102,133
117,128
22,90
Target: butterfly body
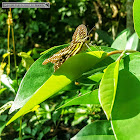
78,38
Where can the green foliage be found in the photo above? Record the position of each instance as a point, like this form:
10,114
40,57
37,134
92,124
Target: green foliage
107,93
127,99
97,130
133,42
27,60
93,85
120,41
88,98
136,16
104,36
37,73
69,71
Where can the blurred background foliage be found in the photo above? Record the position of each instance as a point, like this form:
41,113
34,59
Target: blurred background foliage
36,30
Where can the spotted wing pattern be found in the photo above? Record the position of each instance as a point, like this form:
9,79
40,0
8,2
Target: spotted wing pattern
78,38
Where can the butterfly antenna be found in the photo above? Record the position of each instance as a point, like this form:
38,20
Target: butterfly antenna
88,46
91,30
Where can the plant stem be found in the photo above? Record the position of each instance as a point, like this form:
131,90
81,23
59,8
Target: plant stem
20,131
8,48
120,57
14,51
120,51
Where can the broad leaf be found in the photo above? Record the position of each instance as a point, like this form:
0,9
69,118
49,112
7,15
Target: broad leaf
126,109
104,36
35,77
98,130
2,126
120,41
132,43
2,122
27,60
67,73
136,11
93,79
7,82
2,90
108,86
88,98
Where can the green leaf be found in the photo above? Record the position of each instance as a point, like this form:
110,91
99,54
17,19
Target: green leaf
6,54
132,43
108,60
2,122
78,118
120,41
98,130
67,73
93,79
88,98
56,116
96,137
2,126
136,11
126,109
104,36
96,77
108,86
2,90
55,47
27,60
5,106
7,82
35,77
70,87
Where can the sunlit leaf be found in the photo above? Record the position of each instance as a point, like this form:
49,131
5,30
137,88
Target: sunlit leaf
108,86
7,82
136,11
2,90
98,130
5,55
35,77
68,72
126,109
5,106
93,79
132,43
27,60
88,98
120,41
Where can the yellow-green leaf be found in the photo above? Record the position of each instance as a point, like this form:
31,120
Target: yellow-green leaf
68,72
108,86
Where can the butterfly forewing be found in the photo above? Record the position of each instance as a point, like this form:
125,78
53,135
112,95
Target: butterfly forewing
61,56
57,56
79,34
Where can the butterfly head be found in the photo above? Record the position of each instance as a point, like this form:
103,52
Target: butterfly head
80,33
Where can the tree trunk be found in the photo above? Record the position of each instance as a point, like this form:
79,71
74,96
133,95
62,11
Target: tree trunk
129,18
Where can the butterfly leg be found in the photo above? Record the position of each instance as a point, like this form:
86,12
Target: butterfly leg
88,46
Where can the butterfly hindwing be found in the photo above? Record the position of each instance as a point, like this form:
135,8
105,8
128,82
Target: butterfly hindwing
57,56
78,38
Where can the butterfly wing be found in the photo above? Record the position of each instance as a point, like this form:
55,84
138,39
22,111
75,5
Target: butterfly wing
78,38
61,56
57,56
79,34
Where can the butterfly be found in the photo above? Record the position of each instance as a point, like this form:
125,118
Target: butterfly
78,38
